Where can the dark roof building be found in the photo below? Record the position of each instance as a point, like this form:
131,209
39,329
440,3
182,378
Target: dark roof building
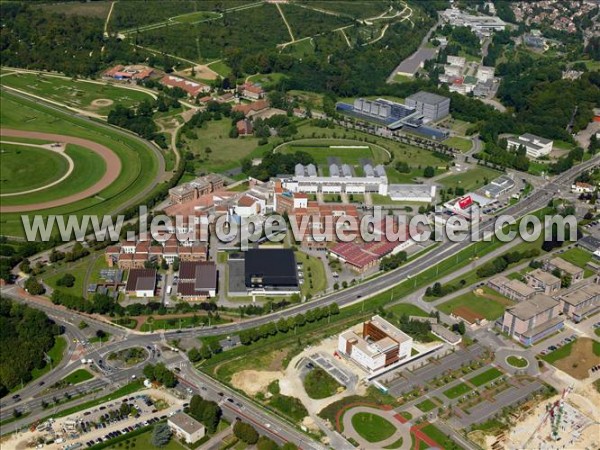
197,280
141,282
271,270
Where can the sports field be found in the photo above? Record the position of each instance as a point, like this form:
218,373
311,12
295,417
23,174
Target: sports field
24,167
476,304
23,114
90,96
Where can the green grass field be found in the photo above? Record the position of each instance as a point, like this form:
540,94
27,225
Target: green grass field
55,354
226,153
315,279
24,114
144,441
321,150
79,376
438,436
491,309
89,169
457,391
319,384
485,377
23,168
517,361
426,405
78,269
76,94
371,427
580,258
559,353
459,143
471,179
408,309
221,68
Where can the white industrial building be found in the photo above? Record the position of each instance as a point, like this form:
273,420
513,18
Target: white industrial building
431,106
412,192
534,145
380,345
482,25
340,180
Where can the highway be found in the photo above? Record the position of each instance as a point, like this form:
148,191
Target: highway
281,430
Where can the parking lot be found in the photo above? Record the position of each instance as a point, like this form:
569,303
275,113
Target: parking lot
103,422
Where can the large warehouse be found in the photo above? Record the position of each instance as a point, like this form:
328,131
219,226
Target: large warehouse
271,271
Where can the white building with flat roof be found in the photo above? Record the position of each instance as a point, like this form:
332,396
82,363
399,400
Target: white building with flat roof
341,181
186,427
534,145
380,344
412,192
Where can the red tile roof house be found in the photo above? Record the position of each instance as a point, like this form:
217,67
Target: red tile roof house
252,91
244,127
192,88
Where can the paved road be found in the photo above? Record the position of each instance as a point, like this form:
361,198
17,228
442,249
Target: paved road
537,199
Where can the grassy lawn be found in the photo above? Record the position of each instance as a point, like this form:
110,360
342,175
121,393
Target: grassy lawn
76,94
23,167
315,279
104,338
226,153
267,80
89,169
322,149
221,68
459,143
485,377
144,441
78,376
55,354
77,269
457,391
408,309
426,405
471,179
517,361
371,427
444,441
319,384
489,308
559,353
23,114
580,258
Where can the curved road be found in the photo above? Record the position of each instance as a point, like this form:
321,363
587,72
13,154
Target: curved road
160,173
112,161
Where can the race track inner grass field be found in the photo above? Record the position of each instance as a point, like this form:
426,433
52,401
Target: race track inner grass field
23,168
89,168
76,94
140,164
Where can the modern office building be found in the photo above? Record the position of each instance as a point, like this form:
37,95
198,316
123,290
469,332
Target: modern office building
532,320
535,146
380,345
431,106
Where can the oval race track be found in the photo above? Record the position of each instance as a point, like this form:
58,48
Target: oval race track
112,161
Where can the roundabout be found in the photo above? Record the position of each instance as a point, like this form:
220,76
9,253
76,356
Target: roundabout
39,166
376,428
99,164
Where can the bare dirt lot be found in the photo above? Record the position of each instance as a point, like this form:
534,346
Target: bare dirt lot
254,381
581,359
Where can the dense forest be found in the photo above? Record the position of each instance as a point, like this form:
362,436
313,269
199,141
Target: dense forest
26,334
